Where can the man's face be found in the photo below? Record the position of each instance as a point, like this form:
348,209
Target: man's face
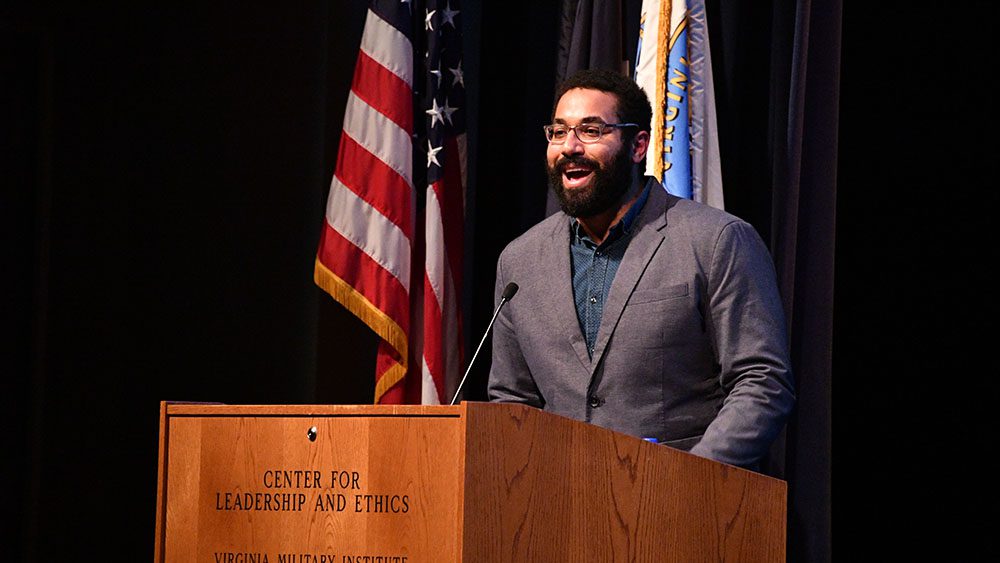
589,178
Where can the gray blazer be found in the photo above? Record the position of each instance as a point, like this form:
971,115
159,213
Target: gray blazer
691,349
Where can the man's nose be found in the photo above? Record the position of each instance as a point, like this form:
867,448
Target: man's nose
572,145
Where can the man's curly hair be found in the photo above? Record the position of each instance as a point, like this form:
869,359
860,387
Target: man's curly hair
633,105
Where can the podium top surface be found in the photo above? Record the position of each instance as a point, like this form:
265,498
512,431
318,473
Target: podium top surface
220,409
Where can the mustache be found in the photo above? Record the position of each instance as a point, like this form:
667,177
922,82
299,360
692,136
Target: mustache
565,162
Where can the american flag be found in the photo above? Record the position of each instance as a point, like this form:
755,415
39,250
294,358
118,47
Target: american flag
391,247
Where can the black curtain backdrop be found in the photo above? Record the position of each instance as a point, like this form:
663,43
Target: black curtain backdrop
914,392
164,178
804,117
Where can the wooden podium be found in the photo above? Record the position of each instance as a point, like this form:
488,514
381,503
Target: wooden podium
476,482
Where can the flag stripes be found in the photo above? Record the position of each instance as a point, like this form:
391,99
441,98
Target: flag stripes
383,91
380,136
368,169
370,231
390,48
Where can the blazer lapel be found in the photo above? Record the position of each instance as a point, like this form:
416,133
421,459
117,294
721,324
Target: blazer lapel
646,240
556,262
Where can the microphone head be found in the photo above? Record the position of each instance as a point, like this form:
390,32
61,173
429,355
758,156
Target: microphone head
509,291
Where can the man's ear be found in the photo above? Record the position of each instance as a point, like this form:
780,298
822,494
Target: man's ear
639,146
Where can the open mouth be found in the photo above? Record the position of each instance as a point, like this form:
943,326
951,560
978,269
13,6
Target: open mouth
576,174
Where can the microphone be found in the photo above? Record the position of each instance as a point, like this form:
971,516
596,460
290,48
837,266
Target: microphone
508,293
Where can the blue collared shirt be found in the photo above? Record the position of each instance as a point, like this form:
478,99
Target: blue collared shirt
594,267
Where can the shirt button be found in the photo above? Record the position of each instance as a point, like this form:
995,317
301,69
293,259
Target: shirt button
593,299
595,401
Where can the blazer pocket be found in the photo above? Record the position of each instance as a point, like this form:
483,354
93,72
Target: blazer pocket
658,294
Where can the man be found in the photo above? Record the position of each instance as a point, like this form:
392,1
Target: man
639,311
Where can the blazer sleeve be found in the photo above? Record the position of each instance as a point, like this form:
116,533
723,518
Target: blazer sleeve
748,331
510,378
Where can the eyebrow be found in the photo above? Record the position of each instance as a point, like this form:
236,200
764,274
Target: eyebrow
588,119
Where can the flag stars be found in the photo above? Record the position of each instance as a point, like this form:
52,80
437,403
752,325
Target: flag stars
437,74
447,111
436,112
459,77
432,154
428,24
449,15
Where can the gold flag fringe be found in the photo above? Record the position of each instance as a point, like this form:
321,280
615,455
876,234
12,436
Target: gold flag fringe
375,318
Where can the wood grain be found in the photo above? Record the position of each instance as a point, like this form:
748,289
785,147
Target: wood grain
401,462
545,488
477,482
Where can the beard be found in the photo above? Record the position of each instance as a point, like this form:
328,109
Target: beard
609,183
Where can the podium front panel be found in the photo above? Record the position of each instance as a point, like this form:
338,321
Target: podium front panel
316,484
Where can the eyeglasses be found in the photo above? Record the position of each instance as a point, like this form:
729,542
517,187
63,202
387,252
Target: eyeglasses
557,133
